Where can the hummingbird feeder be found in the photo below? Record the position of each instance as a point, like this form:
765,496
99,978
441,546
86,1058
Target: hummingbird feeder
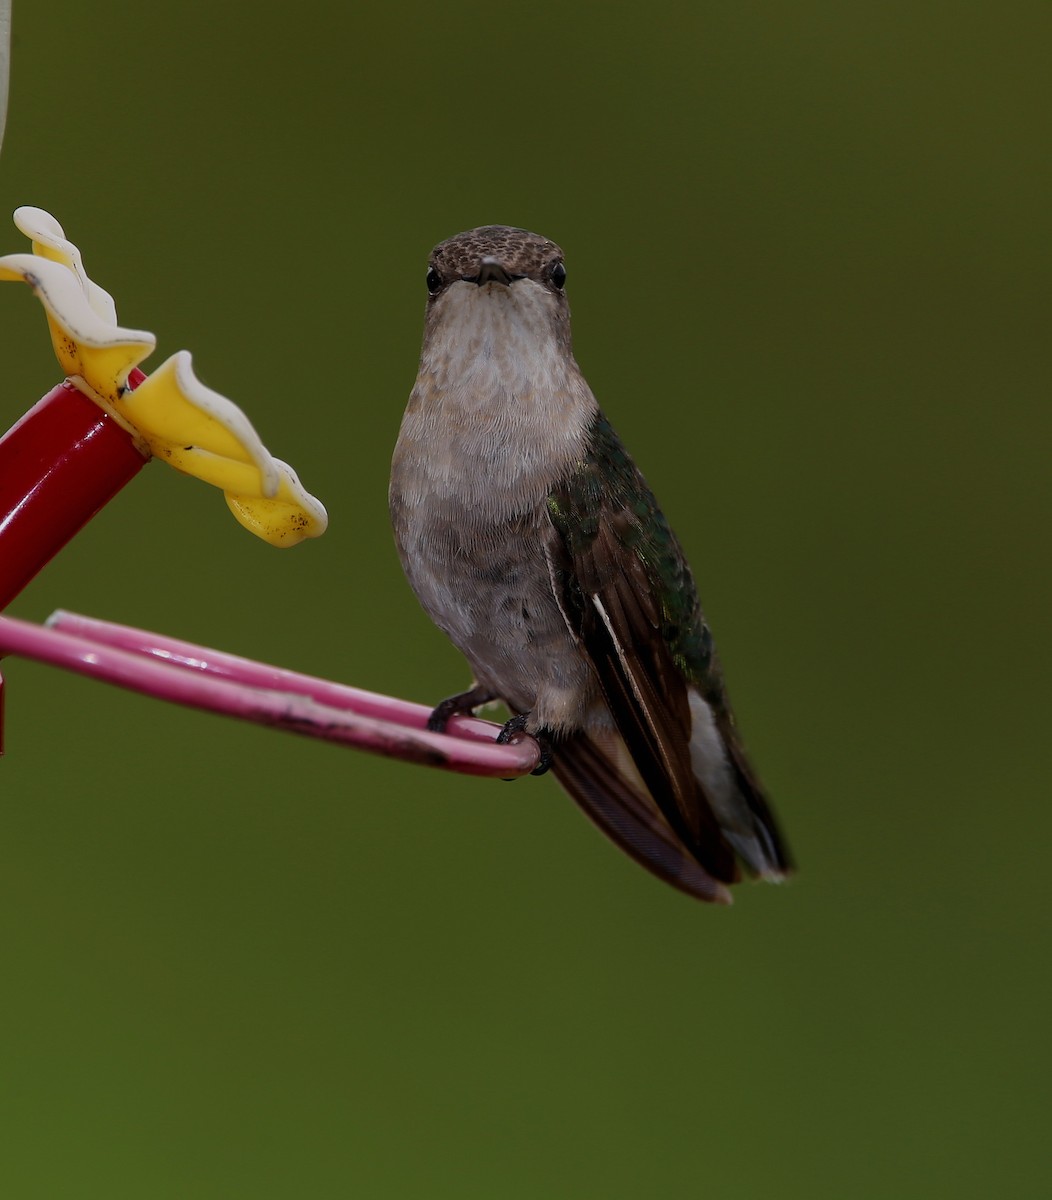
74,450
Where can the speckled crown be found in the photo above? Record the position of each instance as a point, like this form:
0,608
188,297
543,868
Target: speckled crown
518,251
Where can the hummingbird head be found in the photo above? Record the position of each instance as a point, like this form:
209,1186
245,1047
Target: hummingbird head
497,308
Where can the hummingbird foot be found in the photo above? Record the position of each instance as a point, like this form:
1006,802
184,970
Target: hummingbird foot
461,705
518,725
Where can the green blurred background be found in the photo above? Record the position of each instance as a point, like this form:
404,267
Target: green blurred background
809,261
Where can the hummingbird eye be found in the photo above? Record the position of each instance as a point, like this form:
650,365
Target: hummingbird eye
558,275
434,281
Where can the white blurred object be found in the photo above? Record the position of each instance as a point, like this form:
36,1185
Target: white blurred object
5,62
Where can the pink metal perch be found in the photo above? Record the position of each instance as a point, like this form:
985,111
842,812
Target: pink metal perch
199,677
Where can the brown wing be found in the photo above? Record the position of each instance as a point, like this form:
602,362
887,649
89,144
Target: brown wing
627,595
610,605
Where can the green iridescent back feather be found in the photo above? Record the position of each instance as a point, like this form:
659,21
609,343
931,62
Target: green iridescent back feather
606,485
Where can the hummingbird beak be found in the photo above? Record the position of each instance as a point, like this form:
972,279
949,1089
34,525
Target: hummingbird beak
491,271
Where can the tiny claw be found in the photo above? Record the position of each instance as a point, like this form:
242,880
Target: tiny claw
544,764
441,715
463,704
511,728
518,725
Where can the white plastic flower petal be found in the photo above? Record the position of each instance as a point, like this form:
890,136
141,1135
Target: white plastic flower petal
49,241
87,346
171,414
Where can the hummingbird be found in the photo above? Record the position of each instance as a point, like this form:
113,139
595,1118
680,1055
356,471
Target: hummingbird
532,540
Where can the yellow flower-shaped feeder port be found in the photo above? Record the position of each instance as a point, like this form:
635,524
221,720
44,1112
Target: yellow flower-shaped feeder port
170,414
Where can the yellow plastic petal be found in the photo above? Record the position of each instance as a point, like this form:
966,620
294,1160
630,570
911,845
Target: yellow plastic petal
203,434
188,424
289,517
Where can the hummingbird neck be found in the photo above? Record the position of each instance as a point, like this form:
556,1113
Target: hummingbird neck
500,409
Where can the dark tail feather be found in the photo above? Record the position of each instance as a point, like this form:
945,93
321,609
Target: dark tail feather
627,816
770,857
